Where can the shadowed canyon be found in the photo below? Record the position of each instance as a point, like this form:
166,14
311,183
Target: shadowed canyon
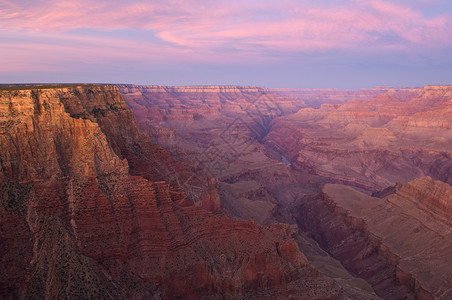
225,192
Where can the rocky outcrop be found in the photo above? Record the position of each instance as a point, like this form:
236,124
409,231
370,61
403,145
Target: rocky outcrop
88,209
370,139
397,243
195,105
215,129
314,98
432,196
372,144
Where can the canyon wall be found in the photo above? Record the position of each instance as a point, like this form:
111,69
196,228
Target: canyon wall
215,129
99,202
274,159
398,243
371,144
314,98
88,210
254,182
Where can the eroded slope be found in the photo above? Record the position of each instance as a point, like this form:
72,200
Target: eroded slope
371,144
87,212
398,243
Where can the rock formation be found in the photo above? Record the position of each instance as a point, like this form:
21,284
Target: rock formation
431,196
373,143
215,129
272,160
255,182
400,244
89,210
184,197
314,98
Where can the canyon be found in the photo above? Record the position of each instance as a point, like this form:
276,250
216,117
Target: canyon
154,192
373,144
87,211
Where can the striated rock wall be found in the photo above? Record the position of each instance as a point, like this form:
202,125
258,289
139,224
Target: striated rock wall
394,137
316,97
433,196
346,239
199,124
398,243
152,104
190,89
87,211
35,128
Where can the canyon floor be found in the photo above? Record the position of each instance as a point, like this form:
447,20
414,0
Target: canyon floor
213,192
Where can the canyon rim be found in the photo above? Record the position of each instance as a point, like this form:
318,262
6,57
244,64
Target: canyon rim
219,149
149,192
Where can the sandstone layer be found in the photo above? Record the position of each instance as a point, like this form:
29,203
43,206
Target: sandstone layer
314,98
225,140
397,243
371,144
270,150
88,210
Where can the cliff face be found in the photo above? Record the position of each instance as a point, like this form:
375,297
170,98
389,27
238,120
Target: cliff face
218,129
432,196
316,97
35,128
162,110
371,139
373,144
215,129
401,244
88,210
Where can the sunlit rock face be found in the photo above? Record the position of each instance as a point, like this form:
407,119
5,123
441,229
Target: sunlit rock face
89,208
181,191
393,143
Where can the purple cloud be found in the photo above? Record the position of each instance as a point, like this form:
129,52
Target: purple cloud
54,32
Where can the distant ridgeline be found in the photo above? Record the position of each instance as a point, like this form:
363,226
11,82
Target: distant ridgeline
23,86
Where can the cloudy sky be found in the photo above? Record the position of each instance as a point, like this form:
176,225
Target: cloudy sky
286,43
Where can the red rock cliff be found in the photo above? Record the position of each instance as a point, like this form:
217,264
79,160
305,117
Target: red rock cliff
86,212
400,243
394,137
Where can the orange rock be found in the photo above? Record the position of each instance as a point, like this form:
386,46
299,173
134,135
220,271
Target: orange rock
88,209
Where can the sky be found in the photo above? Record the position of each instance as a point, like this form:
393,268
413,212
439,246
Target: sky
346,44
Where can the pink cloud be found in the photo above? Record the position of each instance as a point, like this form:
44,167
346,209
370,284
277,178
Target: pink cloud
312,27
207,27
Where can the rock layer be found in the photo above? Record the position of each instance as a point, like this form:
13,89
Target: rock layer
372,144
431,196
396,243
87,211
255,182
371,139
314,98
